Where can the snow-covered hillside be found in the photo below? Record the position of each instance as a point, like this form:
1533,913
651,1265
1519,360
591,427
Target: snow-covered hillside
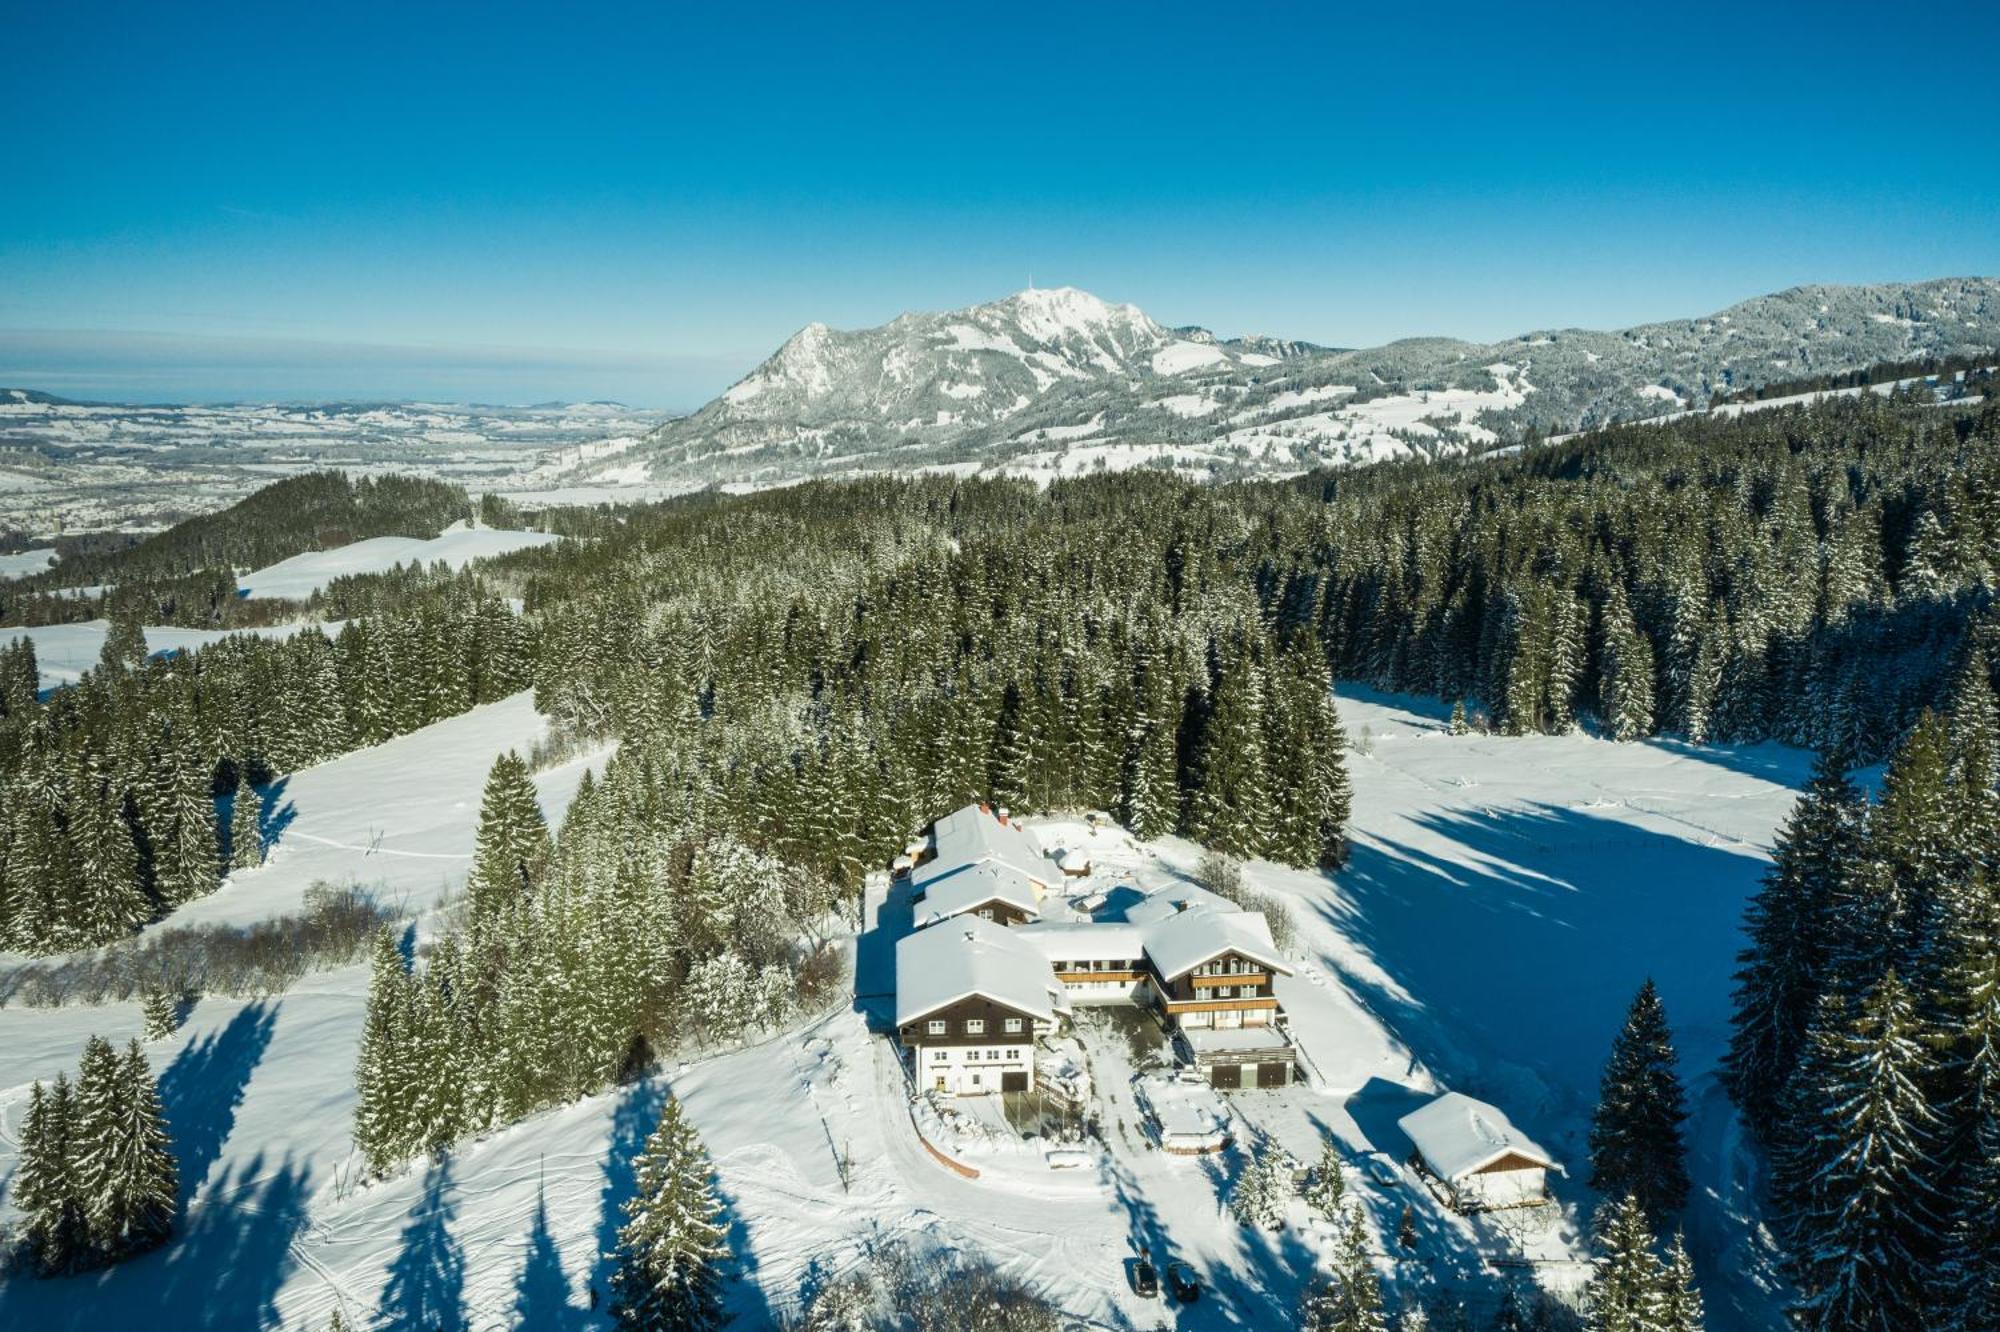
457,546
1053,382
1506,897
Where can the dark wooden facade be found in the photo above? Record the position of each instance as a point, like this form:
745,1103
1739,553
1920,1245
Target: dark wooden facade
1251,981
955,1016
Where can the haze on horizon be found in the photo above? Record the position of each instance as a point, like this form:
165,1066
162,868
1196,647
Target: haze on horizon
244,202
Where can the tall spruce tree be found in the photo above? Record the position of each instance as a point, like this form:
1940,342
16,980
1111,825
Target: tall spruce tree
1350,1298
246,827
670,1247
129,1176
1789,923
46,1187
513,844
1869,1230
1635,1137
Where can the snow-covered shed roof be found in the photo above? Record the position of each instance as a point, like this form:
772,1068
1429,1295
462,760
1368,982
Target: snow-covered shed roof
975,835
1166,902
1457,1135
1085,941
975,886
969,956
1183,941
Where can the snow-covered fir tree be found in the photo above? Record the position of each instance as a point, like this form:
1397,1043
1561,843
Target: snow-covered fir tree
1870,1227
671,1245
1635,1135
1326,1188
246,828
1789,924
161,1010
1349,1299
1627,1292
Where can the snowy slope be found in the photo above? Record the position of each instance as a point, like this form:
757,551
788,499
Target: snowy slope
25,562
457,546
63,652
1505,899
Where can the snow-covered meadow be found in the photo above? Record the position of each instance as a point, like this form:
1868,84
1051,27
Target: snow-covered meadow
1505,898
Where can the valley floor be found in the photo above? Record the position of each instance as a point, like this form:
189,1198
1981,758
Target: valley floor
1504,900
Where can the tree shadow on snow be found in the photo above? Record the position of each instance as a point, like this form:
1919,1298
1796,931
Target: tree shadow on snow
875,956
542,1291
202,1089
743,1295
426,1286
1535,966
277,814
637,1115
221,1271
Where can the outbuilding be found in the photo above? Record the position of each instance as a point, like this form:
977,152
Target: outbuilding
1473,1156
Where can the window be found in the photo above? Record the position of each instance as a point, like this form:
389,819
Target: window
937,1056
1224,991
975,1026
1013,1054
936,1026
1013,1024
986,913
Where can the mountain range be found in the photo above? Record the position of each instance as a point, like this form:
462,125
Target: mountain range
1057,381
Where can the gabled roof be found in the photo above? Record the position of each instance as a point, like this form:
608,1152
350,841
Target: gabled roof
976,836
970,956
1183,941
974,887
1457,1136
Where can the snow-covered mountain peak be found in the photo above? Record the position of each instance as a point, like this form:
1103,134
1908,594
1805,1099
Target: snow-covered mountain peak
1047,314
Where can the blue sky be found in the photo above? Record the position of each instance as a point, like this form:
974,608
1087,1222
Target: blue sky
517,202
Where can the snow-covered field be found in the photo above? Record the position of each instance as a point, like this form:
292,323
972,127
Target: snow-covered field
24,562
301,575
1505,899
63,652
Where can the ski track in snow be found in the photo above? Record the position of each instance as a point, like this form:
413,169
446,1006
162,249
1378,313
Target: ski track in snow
1505,898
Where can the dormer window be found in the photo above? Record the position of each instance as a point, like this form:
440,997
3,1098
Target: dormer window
936,1026
975,1026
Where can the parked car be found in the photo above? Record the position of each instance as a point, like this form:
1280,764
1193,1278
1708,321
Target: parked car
1181,1281
1145,1281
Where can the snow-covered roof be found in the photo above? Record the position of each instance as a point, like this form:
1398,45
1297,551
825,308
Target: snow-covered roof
969,956
975,886
1457,1135
1186,939
974,836
1085,941
1172,901
1236,1040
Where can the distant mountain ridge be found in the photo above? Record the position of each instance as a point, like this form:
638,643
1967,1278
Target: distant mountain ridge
1056,381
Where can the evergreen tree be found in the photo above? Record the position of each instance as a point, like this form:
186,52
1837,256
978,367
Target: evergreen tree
1635,1137
162,1012
384,1130
246,835
1326,1191
1790,927
1870,1228
1680,1300
1350,1299
1627,1293
513,846
667,1278
126,1161
46,1187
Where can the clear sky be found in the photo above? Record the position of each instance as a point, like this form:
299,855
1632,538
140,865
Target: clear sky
516,202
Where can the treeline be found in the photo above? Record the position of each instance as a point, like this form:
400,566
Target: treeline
1865,1055
578,960
111,788
1803,575
1977,368
316,511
